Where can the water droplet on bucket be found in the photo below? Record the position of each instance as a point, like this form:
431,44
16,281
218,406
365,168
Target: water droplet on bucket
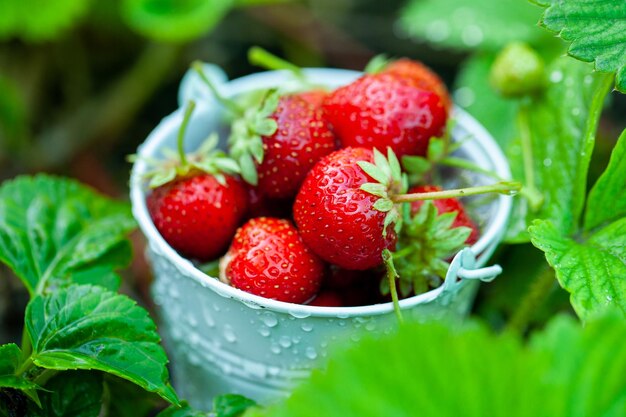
275,349
173,291
269,319
264,331
194,359
299,314
229,334
370,326
192,320
216,307
310,353
295,340
208,317
285,341
273,371
307,327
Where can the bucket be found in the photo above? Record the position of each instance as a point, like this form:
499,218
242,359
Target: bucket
224,340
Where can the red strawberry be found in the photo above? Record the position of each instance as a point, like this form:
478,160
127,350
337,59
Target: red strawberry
302,137
336,218
327,299
447,205
196,203
197,215
422,76
268,258
314,97
383,110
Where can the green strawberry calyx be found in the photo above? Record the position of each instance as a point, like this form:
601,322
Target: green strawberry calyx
178,164
248,127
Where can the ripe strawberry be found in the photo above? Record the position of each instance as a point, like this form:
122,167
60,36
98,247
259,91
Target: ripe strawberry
301,139
384,110
447,205
197,202
268,258
336,218
198,215
327,299
422,77
314,97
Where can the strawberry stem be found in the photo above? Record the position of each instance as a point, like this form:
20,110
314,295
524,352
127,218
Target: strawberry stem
504,187
264,59
532,194
392,275
229,104
191,105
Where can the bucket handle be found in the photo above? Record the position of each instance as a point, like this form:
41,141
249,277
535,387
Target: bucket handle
463,267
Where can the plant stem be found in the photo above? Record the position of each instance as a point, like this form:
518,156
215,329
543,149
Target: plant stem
229,104
183,129
27,347
45,376
25,366
534,196
503,187
391,276
262,58
534,298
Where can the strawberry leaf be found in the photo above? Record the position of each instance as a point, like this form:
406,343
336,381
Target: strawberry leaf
374,171
87,327
480,24
596,30
562,125
71,394
592,270
375,188
447,370
52,230
179,21
10,360
607,199
383,205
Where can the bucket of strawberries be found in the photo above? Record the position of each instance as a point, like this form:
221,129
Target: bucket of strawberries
294,209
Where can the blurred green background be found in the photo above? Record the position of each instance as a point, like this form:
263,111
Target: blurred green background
83,82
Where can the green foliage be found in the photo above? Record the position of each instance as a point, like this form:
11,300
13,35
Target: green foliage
562,125
55,231
72,394
435,370
174,21
39,20
227,405
596,30
87,327
607,200
475,94
10,359
479,24
592,270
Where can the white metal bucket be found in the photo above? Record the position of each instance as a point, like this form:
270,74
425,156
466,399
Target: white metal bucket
226,340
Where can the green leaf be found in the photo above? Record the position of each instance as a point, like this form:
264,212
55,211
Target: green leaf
87,327
375,188
474,93
480,24
416,165
53,228
71,394
607,199
10,359
184,411
231,405
383,204
374,171
124,399
593,271
174,21
562,125
41,21
596,30
434,369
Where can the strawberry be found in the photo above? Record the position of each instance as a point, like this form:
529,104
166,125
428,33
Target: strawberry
198,215
302,138
314,97
268,258
422,77
384,110
197,201
327,299
447,205
336,218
